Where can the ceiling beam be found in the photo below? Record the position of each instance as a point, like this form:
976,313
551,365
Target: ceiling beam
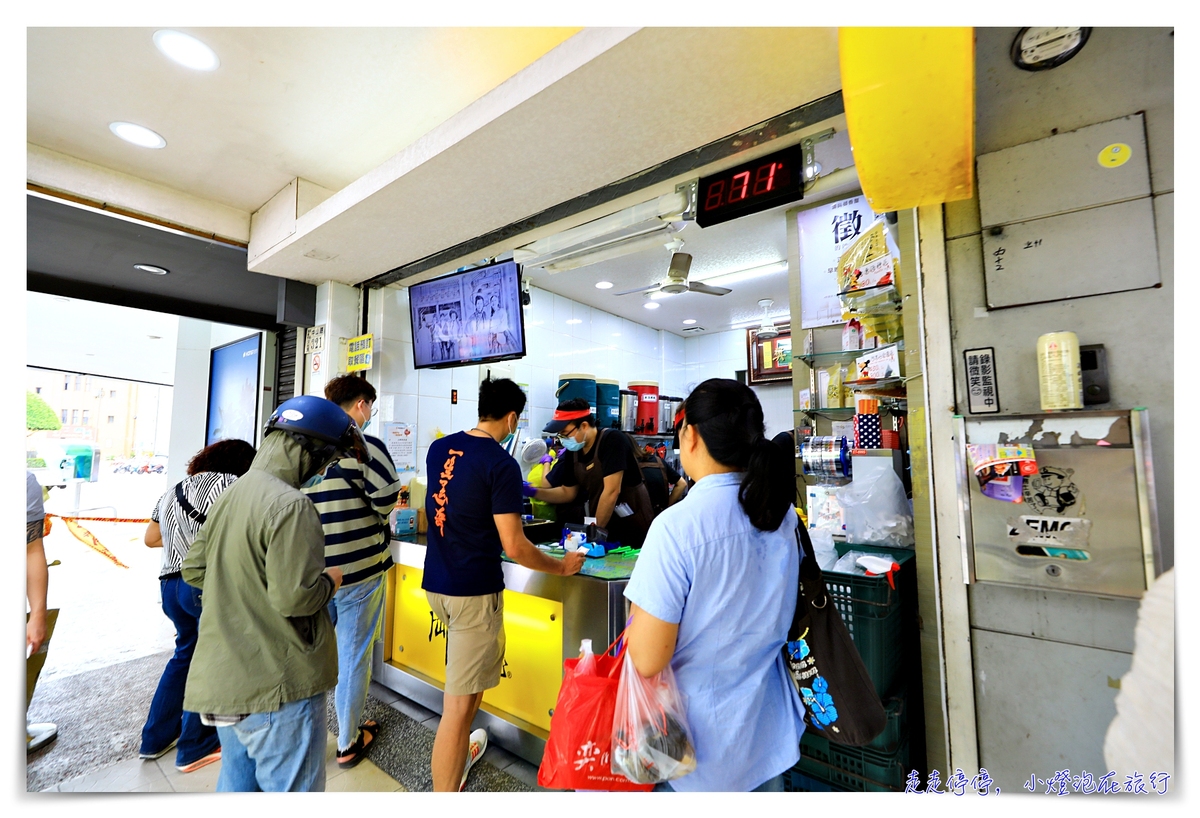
65,177
602,107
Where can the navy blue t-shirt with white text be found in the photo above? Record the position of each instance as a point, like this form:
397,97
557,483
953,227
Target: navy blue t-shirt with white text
470,479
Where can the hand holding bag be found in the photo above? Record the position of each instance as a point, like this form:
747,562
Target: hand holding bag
840,701
577,751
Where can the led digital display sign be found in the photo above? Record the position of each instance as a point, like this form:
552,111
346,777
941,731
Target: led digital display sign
751,188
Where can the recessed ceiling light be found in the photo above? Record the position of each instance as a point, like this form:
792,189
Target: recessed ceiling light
186,50
652,305
574,320
137,135
604,285
689,320
152,269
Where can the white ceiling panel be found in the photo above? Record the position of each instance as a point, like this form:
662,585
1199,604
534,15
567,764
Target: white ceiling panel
324,104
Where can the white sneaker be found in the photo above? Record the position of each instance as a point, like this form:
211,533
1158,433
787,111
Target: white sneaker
475,748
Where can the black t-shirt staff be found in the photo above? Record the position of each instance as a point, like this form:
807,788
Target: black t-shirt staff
600,461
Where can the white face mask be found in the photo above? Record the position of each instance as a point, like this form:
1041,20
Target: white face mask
508,437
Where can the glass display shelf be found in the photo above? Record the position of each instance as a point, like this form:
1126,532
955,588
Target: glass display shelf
844,356
877,383
893,405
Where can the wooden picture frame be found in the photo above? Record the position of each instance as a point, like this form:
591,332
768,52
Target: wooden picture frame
769,361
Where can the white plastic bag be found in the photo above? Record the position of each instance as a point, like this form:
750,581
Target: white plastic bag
651,742
823,548
877,511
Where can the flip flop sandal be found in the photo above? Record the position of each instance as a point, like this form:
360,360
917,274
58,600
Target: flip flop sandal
357,751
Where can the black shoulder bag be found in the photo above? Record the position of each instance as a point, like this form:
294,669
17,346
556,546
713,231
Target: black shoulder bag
187,507
840,701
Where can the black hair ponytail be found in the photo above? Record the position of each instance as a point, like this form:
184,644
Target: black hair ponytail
728,417
768,491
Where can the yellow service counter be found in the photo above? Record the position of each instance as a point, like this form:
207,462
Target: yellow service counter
545,618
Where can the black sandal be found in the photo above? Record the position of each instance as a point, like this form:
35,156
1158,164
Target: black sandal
357,751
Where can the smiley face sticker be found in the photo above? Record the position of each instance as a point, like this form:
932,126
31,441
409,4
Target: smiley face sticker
1114,155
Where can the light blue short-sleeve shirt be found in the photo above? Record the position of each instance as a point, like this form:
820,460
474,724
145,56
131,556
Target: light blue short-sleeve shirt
732,590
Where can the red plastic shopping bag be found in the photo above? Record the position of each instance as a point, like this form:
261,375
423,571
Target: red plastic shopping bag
577,752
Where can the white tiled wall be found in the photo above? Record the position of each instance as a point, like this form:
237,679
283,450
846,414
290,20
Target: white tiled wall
721,355
561,336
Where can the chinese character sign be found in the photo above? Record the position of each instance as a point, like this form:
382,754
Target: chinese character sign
825,232
982,395
358,352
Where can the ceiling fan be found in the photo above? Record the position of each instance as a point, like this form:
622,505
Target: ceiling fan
677,280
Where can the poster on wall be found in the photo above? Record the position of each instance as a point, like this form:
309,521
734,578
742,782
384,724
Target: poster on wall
770,360
401,442
825,233
233,381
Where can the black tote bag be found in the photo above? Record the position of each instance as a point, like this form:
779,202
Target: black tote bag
839,697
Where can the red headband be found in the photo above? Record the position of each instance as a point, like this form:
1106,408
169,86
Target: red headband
574,414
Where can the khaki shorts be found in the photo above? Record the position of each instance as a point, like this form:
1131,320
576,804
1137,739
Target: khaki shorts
474,640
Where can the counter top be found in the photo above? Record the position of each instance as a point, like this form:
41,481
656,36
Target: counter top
608,568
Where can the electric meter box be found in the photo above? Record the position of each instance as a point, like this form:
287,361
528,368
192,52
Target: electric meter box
1068,216
1087,522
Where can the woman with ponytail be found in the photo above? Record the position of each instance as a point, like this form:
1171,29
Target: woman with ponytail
714,591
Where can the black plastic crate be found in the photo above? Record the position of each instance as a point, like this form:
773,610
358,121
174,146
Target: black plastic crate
855,769
895,732
796,781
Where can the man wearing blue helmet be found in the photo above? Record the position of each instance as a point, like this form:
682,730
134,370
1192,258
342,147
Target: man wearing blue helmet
266,652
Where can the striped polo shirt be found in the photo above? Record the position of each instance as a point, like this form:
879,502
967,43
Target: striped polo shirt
354,541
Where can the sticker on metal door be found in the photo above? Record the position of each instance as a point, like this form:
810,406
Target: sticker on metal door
1051,532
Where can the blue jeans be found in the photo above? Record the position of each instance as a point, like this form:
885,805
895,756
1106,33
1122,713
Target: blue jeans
357,614
283,751
167,719
770,785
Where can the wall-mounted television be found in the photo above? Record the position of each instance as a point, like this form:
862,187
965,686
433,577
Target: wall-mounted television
469,317
233,389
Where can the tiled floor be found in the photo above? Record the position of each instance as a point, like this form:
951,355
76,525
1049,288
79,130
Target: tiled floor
160,775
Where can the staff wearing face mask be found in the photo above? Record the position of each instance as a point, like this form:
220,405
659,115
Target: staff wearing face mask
601,463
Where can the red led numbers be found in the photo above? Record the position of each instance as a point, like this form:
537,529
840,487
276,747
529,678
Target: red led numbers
764,179
715,192
751,188
740,187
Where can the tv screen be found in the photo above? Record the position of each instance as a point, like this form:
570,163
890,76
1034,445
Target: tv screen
468,318
233,391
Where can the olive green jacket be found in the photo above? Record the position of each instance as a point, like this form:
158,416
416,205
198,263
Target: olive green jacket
265,635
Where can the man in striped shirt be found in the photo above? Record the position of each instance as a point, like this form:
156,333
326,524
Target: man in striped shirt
354,501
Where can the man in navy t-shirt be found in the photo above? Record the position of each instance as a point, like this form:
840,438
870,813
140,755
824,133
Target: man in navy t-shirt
473,508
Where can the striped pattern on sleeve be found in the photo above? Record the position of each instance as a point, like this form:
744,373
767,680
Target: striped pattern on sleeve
354,540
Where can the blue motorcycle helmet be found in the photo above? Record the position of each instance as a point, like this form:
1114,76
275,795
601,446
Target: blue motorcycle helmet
321,428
